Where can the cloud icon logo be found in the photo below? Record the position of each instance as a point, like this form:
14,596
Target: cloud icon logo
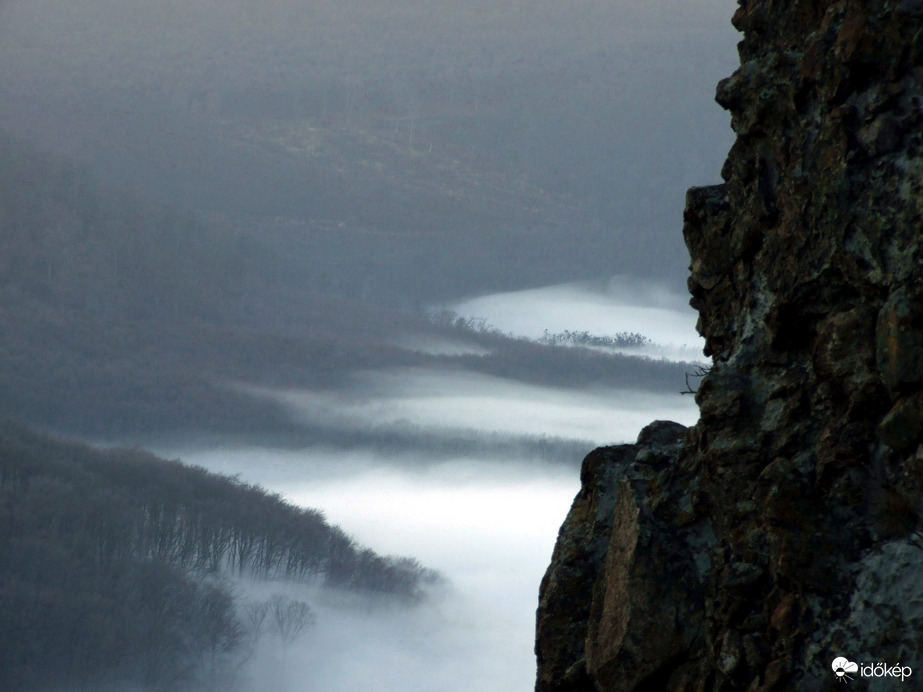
842,667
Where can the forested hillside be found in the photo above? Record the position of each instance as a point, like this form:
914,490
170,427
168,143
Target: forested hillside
111,563
121,314
124,317
436,147
254,193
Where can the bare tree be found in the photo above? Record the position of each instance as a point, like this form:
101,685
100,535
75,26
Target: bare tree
289,618
253,616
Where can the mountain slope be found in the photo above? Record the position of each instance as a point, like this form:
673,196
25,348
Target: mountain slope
111,564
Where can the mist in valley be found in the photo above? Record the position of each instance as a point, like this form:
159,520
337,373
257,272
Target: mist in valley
486,523
389,269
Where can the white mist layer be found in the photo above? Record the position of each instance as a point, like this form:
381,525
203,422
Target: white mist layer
454,400
622,305
436,346
487,525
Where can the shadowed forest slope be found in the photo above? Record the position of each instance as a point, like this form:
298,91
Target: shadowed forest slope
113,564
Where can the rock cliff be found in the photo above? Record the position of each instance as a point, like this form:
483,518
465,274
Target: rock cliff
784,529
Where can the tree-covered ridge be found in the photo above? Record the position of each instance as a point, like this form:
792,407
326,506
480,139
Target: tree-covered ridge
123,317
108,561
121,504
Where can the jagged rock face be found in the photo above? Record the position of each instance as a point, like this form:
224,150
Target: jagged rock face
801,484
629,552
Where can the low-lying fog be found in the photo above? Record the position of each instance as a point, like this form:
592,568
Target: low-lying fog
487,524
457,401
623,304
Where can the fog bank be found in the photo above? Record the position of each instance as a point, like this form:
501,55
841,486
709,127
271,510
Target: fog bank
454,401
487,525
623,304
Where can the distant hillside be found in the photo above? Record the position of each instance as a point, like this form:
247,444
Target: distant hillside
120,314
110,563
125,317
489,146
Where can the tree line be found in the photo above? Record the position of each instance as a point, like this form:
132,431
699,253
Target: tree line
550,360
112,563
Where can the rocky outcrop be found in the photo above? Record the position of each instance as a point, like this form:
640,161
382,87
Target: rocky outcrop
632,551
781,531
